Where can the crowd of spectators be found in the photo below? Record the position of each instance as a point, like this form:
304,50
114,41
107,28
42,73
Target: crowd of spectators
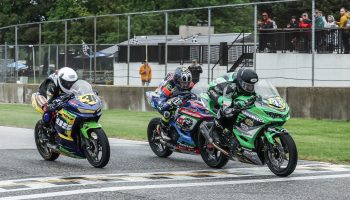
329,32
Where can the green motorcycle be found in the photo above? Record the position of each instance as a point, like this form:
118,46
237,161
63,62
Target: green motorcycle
257,137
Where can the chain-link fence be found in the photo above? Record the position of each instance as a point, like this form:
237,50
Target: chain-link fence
110,49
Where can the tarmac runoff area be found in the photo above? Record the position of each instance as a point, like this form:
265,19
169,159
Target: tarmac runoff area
134,172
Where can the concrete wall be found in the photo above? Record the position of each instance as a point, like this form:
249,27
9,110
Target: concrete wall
290,69
317,102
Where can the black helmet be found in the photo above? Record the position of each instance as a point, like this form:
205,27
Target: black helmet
246,78
182,78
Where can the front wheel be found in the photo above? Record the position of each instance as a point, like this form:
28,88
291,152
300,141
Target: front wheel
97,150
211,156
153,139
282,158
41,140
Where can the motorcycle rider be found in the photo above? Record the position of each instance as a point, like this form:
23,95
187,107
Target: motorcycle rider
180,81
52,87
223,91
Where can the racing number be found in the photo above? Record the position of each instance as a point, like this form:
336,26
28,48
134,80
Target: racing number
88,99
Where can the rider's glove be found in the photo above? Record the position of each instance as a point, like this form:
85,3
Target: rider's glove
228,112
55,104
176,101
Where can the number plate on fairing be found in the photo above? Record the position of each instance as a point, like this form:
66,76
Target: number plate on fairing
88,99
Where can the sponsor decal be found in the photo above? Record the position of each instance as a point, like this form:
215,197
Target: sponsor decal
252,116
245,127
249,122
63,124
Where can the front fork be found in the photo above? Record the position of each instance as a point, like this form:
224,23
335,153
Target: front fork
270,142
85,132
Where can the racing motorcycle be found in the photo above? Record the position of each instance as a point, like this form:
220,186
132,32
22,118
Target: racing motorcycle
257,136
74,130
184,125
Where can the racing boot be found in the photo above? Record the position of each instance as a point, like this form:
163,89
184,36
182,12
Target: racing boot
164,129
216,130
164,126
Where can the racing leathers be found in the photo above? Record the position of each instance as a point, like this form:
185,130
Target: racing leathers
50,89
168,102
223,91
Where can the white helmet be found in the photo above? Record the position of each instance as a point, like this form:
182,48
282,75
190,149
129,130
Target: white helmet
66,78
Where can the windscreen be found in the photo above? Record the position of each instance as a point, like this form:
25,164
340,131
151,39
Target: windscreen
265,89
81,87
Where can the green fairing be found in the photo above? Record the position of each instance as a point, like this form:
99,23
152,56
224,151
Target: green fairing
261,111
87,126
64,151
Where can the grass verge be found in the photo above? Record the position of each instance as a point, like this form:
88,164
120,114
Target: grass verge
323,140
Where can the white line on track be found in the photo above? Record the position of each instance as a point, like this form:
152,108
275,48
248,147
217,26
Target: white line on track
179,185
27,184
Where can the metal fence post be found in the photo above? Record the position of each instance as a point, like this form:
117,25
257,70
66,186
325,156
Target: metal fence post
209,24
5,62
95,50
16,52
255,34
57,52
313,45
39,51
33,52
65,42
166,43
128,56
48,59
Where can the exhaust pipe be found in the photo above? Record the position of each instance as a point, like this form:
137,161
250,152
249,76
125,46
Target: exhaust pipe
220,149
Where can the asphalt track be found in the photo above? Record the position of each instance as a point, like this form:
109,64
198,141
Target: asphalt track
134,172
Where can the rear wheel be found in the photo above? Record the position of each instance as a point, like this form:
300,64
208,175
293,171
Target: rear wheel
41,140
282,158
153,139
210,155
97,149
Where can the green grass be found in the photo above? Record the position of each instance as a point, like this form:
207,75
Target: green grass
323,140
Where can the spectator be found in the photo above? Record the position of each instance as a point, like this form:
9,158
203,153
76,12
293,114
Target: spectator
305,22
266,22
146,73
344,33
195,70
265,25
331,23
305,36
293,23
319,23
293,35
331,36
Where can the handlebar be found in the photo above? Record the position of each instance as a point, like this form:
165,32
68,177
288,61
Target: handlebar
66,97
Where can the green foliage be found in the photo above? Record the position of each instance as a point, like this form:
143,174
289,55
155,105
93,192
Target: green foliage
114,29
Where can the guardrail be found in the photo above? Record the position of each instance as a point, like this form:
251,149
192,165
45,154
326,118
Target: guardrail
327,40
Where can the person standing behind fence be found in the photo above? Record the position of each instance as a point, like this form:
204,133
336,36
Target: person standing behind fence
293,35
146,73
195,70
265,36
319,25
344,18
331,36
305,36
